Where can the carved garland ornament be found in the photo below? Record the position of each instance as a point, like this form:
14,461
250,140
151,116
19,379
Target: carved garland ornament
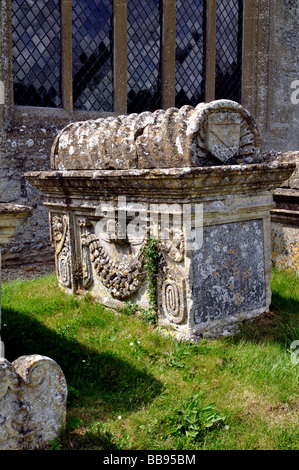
124,279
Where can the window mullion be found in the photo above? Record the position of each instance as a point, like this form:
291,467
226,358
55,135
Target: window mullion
66,54
210,50
168,53
120,55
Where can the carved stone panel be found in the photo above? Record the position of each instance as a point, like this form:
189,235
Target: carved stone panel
223,139
229,271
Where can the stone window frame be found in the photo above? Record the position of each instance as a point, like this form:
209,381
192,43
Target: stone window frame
255,59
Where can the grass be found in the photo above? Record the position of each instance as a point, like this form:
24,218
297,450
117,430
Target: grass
130,387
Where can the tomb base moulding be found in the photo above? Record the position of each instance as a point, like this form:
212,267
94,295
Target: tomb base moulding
195,180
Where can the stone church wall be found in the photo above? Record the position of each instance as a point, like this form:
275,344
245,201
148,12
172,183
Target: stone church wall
26,135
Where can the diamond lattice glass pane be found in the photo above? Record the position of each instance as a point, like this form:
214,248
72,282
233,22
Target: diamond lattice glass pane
92,55
36,53
229,49
144,71
189,54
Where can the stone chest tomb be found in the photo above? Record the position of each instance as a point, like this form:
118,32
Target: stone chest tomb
191,178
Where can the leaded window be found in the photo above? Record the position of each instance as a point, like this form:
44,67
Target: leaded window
126,55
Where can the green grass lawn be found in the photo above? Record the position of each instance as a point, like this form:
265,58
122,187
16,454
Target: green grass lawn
130,387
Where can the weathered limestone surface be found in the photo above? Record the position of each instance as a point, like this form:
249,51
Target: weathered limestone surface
282,114
285,244
11,216
236,262
216,194
33,396
26,145
285,219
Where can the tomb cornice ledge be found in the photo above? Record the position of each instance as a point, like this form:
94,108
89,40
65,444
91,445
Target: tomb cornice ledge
189,182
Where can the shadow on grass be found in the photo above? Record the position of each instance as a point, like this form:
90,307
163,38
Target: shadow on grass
280,325
284,304
96,376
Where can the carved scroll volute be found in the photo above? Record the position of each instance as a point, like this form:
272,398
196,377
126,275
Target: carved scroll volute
86,266
173,285
60,236
173,300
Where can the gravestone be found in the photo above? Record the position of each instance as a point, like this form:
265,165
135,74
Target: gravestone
194,179
33,396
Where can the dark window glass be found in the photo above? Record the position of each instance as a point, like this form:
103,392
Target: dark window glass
144,65
36,53
229,49
92,55
190,52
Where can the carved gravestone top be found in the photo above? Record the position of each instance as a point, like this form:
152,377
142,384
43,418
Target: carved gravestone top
217,133
33,394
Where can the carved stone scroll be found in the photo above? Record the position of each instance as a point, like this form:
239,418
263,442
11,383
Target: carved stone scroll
86,265
217,133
